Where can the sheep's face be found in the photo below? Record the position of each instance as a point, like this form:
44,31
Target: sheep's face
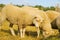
37,21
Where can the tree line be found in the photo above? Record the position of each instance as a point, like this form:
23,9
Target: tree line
36,6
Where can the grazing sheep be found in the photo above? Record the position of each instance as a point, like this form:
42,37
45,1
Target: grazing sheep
56,23
55,18
22,18
26,16
47,19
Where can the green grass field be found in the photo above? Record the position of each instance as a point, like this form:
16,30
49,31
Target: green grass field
6,35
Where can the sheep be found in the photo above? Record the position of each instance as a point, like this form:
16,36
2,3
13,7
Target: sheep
20,17
47,19
44,17
26,16
56,23
54,18
52,15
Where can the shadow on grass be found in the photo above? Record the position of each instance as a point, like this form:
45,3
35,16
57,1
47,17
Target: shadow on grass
8,31
30,33
27,33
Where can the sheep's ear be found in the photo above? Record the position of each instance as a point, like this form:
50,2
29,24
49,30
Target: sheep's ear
52,15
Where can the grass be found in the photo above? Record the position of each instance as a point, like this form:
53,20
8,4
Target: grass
6,35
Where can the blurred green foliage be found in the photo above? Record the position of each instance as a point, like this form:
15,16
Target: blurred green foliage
36,6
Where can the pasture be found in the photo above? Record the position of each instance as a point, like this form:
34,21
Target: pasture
6,35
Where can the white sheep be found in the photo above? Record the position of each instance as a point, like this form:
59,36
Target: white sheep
26,16
55,18
45,24
19,16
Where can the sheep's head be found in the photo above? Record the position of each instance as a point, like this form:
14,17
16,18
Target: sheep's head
39,18
37,21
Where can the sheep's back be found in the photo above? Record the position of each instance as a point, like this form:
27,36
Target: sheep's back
11,13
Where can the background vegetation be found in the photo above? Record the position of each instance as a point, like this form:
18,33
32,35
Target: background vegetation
37,6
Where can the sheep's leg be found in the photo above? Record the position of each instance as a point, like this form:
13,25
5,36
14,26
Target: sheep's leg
38,32
37,21
23,32
23,29
11,29
18,30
